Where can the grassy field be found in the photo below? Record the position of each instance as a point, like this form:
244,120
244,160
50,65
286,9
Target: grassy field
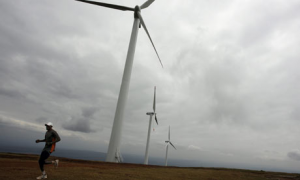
25,166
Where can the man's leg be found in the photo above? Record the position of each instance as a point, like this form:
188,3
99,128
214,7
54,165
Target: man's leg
44,155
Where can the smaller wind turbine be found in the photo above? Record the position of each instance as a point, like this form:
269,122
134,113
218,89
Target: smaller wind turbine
149,128
168,142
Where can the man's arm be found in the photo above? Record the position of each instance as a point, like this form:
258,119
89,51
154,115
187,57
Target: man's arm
37,141
57,138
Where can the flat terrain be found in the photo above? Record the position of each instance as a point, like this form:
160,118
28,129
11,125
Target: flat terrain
25,166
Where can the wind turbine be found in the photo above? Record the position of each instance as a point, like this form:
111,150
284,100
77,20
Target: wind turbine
149,128
116,133
168,142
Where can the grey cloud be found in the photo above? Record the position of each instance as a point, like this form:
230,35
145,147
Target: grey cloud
79,124
41,120
83,123
227,103
13,93
88,112
294,155
37,58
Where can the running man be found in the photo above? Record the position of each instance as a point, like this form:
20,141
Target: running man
51,138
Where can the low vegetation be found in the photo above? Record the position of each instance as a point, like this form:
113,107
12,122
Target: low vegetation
25,166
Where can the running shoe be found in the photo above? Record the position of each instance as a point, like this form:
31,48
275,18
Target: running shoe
56,163
43,176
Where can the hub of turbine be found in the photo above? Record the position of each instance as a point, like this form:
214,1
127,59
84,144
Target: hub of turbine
136,9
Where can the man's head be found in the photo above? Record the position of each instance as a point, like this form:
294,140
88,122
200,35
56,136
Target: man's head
49,126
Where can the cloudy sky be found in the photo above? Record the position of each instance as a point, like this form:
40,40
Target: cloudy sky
229,88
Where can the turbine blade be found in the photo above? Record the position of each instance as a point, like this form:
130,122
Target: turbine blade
153,125
154,100
169,133
172,145
113,6
145,28
146,4
156,119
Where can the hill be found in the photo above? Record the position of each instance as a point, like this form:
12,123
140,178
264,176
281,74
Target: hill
25,166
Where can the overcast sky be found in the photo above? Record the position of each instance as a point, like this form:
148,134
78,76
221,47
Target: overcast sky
229,88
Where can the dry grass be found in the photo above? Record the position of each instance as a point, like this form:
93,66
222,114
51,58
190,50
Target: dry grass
20,166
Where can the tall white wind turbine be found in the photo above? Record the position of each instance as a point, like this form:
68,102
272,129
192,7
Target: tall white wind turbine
149,128
116,133
168,142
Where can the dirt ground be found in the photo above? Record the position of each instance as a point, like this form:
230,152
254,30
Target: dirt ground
25,166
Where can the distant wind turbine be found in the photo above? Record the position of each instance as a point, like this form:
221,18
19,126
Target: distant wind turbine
116,133
168,142
149,128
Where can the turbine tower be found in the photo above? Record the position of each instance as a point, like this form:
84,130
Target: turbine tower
149,128
116,133
168,142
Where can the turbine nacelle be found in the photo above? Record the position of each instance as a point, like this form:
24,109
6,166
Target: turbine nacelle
150,113
137,10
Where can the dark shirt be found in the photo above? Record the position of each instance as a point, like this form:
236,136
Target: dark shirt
51,136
